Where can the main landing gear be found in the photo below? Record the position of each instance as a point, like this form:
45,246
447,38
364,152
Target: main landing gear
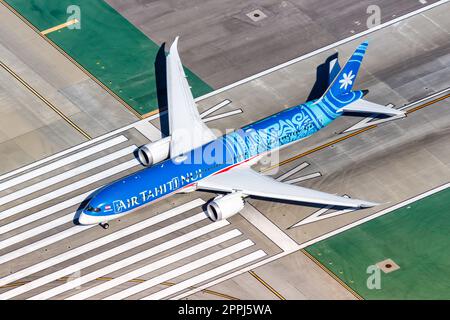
104,225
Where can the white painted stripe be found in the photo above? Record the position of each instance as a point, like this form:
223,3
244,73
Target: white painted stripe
215,108
181,270
139,257
222,115
269,229
45,212
206,275
57,164
77,267
148,130
292,171
69,188
218,91
303,178
67,174
91,245
43,243
313,241
151,267
35,231
323,49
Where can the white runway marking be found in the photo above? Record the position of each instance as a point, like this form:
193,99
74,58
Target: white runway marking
206,275
269,229
222,115
157,264
76,267
69,188
215,108
292,171
303,178
149,131
93,244
38,230
67,174
323,49
45,212
57,164
181,270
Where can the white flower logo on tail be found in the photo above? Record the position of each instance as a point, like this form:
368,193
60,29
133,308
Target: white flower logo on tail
347,80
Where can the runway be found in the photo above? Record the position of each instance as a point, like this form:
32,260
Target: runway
174,242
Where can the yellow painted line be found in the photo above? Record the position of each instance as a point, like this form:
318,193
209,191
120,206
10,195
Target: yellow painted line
18,15
44,100
323,146
211,292
149,114
268,286
331,274
60,26
428,103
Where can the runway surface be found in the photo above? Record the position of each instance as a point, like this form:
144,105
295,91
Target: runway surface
171,249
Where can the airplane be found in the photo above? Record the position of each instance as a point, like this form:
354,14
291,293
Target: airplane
193,158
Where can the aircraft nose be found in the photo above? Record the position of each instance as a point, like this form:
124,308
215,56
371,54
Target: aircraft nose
85,219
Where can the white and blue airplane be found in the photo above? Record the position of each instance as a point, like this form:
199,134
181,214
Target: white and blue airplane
193,158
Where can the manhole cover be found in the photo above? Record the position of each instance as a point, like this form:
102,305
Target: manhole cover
388,265
256,15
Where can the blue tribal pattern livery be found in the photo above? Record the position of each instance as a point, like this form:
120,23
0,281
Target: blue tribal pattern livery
217,156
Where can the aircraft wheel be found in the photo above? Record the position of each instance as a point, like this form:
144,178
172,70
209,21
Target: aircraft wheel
104,225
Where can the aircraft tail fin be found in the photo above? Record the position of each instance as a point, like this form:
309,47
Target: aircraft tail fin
339,93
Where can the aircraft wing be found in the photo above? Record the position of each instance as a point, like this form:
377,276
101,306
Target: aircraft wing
251,183
187,130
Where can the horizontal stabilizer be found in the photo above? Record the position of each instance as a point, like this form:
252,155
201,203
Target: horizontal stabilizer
364,106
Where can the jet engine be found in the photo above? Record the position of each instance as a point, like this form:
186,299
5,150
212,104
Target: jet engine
223,207
154,152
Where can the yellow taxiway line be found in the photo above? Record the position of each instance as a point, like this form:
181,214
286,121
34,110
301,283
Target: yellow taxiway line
60,26
265,284
323,146
44,100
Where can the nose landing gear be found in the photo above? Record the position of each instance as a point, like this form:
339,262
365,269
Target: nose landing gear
104,225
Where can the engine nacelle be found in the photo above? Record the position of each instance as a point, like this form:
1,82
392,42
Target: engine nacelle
154,152
223,207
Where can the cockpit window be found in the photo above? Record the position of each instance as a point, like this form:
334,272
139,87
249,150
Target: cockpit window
92,209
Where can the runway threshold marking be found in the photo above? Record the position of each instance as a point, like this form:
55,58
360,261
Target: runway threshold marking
265,284
96,243
45,101
181,270
320,238
60,26
166,283
103,256
207,275
62,162
196,249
